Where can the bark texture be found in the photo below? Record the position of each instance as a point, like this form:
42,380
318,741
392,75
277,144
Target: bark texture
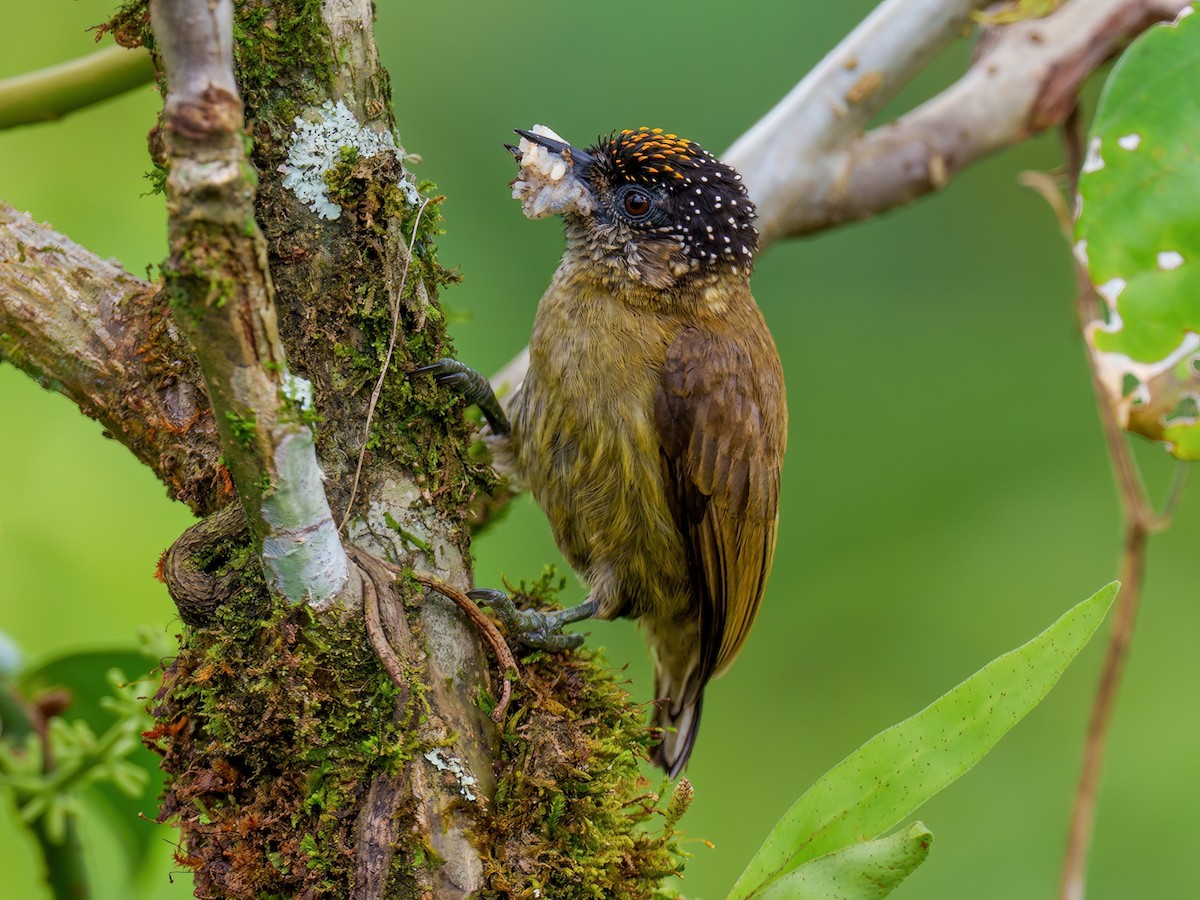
86,328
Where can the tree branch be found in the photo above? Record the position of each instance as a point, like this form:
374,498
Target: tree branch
1024,80
319,114
223,298
89,330
51,93
1140,523
797,150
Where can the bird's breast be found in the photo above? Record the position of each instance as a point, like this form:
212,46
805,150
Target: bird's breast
587,447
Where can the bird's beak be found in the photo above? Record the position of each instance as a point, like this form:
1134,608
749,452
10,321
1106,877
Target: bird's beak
580,159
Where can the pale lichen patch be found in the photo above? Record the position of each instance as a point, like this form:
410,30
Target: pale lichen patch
317,146
444,762
298,390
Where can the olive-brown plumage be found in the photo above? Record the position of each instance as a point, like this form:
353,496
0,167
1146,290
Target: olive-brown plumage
652,423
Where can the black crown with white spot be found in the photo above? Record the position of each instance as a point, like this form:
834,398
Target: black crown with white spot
698,199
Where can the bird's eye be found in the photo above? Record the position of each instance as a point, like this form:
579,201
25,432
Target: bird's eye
637,204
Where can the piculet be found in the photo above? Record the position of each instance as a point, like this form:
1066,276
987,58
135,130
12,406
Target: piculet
652,422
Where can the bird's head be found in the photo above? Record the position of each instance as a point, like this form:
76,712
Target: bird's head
644,210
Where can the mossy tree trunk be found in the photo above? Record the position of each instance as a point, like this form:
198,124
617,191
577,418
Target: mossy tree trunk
299,764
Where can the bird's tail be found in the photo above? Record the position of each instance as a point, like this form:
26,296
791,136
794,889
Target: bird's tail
678,718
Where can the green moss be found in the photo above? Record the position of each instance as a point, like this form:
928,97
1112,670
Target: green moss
242,428
407,536
202,269
130,25
272,724
415,420
572,817
157,177
282,50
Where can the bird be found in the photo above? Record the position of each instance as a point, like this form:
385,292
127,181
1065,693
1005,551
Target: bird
652,424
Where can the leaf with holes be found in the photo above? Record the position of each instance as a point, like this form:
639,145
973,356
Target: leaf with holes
887,778
1138,229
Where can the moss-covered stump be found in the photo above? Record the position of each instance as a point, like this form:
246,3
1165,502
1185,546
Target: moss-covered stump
572,817
272,725
273,721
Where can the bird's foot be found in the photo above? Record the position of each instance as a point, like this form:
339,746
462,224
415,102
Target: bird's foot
471,386
542,630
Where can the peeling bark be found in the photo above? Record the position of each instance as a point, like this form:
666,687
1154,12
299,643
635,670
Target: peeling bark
84,327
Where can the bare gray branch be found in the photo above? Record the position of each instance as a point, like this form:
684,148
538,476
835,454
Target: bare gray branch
1025,80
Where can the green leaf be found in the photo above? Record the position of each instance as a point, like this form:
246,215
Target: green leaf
866,871
1138,228
893,773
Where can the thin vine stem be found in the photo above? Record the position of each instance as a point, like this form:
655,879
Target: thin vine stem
504,657
383,370
1140,521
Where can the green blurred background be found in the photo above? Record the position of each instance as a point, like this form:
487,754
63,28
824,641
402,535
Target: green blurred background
946,493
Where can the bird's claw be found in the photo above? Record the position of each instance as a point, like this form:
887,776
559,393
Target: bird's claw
469,385
445,371
542,630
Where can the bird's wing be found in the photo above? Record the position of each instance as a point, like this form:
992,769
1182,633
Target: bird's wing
721,419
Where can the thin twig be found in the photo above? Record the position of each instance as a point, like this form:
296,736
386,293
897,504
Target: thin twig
1140,522
49,94
1083,812
504,656
387,361
379,639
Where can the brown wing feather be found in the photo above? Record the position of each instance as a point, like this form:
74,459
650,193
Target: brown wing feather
721,417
